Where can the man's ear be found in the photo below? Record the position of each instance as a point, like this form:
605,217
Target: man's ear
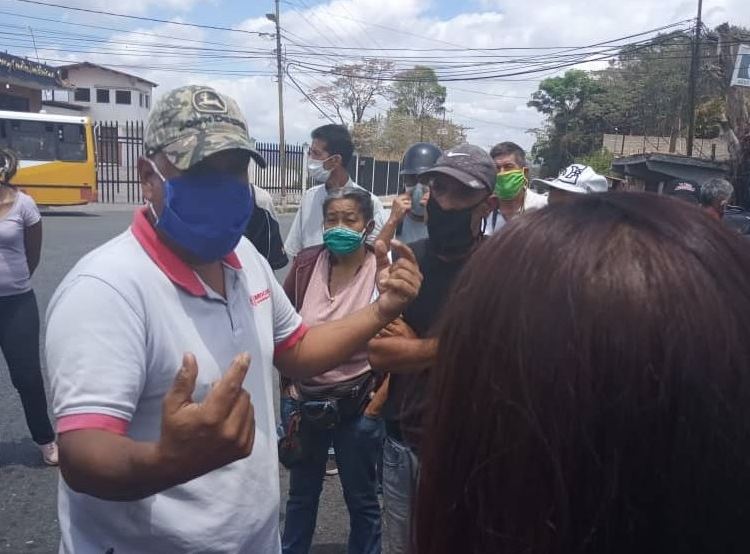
526,174
370,227
147,176
336,159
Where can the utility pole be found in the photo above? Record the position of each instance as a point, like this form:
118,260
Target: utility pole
694,68
280,76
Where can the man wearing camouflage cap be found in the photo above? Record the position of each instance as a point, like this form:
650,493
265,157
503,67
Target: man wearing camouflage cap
164,409
461,196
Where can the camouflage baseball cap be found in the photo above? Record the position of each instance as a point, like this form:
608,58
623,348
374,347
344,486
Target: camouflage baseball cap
190,123
469,164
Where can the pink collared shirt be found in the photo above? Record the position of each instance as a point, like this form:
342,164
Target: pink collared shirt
320,306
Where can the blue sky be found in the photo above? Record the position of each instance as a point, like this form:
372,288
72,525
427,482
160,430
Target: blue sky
492,110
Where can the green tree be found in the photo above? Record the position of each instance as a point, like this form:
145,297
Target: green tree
389,136
600,161
418,94
573,106
642,92
354,89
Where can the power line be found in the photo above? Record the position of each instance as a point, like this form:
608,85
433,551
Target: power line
299,88
459,48
115,29
489,74
142,18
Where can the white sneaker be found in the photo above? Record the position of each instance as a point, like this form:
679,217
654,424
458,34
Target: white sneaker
49,453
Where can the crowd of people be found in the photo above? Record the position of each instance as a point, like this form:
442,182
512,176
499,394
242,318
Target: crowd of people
500,365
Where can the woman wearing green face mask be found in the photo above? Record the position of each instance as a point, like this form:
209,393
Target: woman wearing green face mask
325,283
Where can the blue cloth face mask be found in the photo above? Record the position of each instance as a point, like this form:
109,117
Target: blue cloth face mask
205,214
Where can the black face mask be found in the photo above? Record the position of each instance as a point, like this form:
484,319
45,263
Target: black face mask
450,231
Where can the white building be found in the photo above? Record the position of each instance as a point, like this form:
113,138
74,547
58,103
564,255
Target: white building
101,93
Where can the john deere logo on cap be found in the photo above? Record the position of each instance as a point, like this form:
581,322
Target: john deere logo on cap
207,101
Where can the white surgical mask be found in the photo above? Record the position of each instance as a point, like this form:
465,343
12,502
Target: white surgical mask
317,172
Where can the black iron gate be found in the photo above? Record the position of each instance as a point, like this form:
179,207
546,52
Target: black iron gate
118,147
120,144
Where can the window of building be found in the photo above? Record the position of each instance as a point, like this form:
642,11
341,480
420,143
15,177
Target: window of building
102,96
13,103
123,97
82,95
140,99
148,102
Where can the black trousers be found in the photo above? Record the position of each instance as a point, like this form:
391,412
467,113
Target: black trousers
19,342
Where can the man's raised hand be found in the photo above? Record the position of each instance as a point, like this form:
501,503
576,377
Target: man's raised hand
203,436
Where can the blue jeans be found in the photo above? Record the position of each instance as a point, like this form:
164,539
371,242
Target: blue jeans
358,443
400,471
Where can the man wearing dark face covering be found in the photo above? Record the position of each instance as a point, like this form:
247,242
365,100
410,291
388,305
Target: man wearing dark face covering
460,197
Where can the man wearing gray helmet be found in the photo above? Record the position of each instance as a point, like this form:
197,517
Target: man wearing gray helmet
407,219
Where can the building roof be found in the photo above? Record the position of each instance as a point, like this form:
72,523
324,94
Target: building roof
26,73
103,68
678,159
654,168
66,105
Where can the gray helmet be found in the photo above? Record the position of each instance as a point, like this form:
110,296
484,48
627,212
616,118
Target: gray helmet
419,158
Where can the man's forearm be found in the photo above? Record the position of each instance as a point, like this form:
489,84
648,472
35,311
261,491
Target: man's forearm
113,467
402,355
388,232
330,344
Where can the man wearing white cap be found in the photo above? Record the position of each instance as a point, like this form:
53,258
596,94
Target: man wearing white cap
574,179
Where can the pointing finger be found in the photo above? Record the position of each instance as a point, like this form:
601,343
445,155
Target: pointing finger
403,251
381,255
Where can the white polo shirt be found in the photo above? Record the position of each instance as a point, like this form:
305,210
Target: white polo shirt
533,201
118,326
307,227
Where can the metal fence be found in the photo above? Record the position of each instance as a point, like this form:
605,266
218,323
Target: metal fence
270,177
120,144
118,147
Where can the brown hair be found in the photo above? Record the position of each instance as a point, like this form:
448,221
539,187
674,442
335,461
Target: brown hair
592,392
509,149
8,165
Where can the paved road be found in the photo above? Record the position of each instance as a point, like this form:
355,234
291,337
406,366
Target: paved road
28,490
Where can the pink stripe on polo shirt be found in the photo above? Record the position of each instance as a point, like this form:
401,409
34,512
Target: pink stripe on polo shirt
78,422
291,340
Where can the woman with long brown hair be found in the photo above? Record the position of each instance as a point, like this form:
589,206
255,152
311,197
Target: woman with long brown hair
593,388
20,251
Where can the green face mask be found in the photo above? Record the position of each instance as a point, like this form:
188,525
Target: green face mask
509,184
342,240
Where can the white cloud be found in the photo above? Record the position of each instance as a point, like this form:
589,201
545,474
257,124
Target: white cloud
140,7
495,111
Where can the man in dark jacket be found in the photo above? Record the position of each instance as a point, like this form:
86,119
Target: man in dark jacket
263,230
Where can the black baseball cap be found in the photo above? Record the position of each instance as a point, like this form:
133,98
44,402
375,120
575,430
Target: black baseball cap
683,189
469,164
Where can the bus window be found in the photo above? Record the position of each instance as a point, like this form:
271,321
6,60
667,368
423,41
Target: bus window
32,140
72,145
